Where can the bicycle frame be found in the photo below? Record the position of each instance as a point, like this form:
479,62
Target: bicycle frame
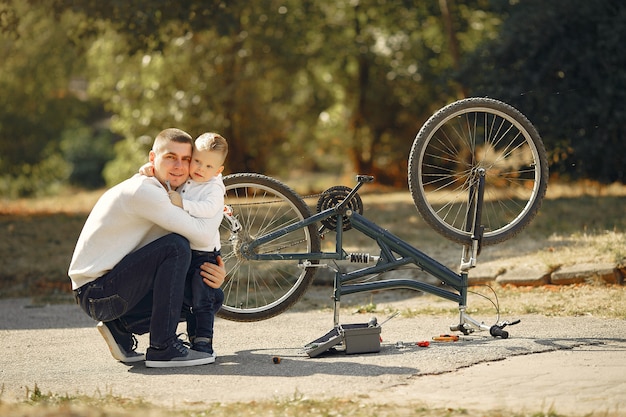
394,253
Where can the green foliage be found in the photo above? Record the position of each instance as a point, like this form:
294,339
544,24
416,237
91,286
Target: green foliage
207,82
291,85
131,154
37,102
87,150
562,64
46,177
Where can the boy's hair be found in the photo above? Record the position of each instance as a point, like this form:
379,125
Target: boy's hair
212,142
171,135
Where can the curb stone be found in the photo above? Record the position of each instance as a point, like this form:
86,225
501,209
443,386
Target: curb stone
525,276
485,273
535,275
586,273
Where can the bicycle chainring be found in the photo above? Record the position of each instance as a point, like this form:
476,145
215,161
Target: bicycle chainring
333,196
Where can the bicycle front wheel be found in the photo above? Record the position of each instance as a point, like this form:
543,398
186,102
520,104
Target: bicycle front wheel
257,290
453,145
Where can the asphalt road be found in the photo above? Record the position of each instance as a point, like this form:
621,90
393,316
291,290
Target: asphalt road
574,365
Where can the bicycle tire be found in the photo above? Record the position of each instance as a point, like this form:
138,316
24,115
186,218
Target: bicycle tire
258,290
453,144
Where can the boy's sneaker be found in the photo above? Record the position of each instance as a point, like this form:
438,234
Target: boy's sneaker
203,344
122,344
176,355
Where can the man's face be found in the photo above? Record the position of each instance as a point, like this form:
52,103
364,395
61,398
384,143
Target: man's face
171,163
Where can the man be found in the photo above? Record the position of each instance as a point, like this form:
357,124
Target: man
130,262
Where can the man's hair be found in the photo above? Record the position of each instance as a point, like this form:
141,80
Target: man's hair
171,135
212,142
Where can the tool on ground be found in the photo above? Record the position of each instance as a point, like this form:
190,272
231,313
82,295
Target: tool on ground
389,318
446,338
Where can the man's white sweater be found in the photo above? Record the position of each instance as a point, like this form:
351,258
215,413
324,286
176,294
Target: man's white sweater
127,217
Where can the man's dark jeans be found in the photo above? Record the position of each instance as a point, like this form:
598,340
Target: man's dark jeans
144,291
203,300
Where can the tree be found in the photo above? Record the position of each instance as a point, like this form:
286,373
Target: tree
37,101
269,64
562,64
392,63
293,85
250,85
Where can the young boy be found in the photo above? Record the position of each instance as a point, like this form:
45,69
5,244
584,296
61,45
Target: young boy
202,195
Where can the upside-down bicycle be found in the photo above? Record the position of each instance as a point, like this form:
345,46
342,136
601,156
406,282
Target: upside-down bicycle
477,174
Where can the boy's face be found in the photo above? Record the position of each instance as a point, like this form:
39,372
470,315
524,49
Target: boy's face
205,165
171,163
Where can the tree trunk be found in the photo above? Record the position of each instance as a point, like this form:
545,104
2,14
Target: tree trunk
453,42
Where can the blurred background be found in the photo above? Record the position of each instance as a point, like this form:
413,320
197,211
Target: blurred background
302,89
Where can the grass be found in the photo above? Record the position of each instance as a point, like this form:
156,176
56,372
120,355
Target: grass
40,404
603,301
36,252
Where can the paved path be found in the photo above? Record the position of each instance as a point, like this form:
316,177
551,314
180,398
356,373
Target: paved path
571,365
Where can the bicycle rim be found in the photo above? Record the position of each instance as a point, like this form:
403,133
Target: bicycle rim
453,145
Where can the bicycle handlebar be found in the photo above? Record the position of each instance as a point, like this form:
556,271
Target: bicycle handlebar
496,331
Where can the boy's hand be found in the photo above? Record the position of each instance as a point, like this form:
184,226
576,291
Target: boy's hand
175,198
213,275
147,169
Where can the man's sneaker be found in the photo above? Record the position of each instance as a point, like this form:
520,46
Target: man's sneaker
176,355
122,344
203,344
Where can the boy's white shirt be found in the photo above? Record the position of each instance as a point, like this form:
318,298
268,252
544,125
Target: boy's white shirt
127,217
205,199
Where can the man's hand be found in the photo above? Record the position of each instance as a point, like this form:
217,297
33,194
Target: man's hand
175,198
213,275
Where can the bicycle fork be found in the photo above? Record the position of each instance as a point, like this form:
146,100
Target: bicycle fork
468,260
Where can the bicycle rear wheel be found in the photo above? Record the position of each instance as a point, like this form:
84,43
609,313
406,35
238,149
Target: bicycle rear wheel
257,290
453,145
